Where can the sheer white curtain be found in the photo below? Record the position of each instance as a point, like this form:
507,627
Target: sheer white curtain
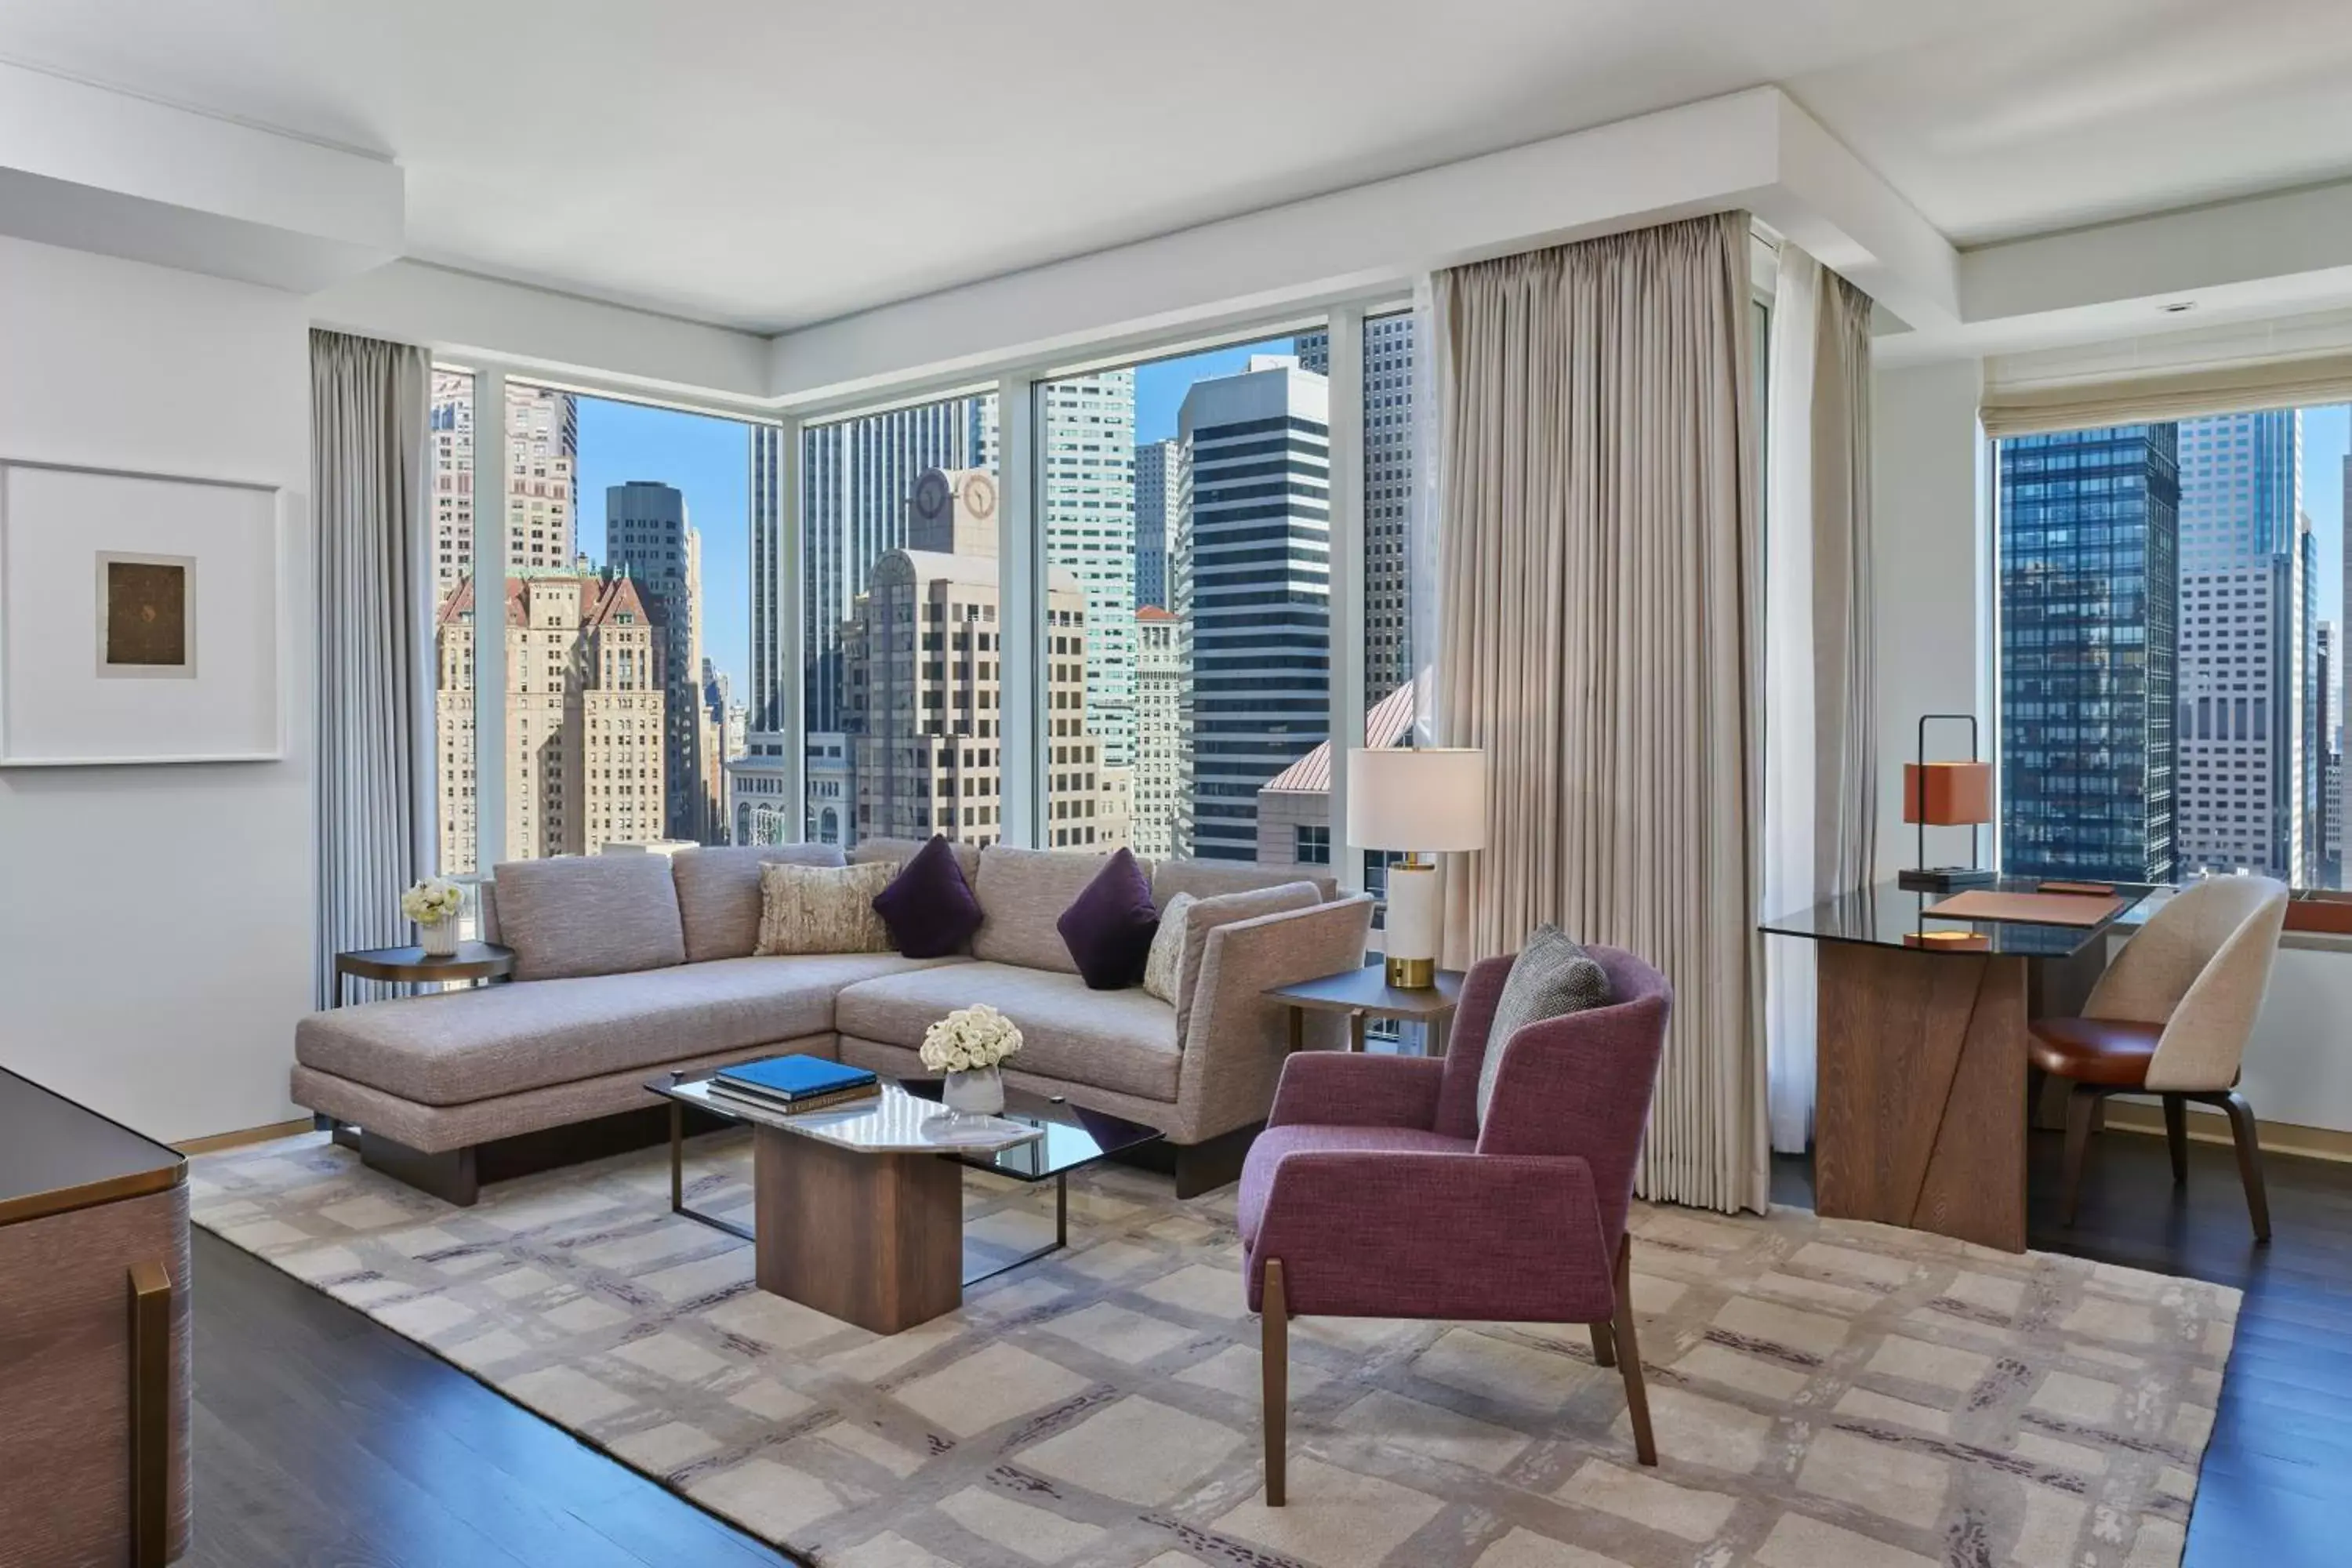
1820,742
1599,599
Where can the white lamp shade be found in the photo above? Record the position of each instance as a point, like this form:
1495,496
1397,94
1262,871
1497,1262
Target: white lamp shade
1425,799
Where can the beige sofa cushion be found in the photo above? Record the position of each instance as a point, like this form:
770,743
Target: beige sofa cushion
504,1039
1022,894
719,893
822,909
899,851
1121,1040
1211,879
589,915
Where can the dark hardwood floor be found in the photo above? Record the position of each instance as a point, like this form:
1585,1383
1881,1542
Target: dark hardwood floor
2276,1487
322,1439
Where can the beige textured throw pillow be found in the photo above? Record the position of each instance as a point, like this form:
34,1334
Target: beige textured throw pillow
1165,967
822,909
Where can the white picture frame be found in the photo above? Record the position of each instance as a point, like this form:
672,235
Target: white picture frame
202,562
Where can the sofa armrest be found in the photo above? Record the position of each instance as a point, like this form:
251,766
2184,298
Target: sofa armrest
1483,1237
1341,1088
1239,1037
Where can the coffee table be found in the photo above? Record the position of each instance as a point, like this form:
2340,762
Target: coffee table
859,1211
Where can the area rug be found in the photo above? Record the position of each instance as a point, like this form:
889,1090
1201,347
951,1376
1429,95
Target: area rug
1827,1395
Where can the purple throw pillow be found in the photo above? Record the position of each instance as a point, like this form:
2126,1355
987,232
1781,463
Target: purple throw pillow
929,907
1109,929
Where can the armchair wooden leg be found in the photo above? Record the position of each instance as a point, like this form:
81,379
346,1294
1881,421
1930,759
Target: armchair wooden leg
1604,1346
1273,1345
2176,1136
2249,1160
2080,1104
1629,1356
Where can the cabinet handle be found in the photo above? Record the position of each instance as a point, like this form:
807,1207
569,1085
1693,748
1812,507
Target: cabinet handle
151,1413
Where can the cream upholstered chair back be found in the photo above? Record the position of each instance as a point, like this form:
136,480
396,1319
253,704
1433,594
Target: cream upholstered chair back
2198,967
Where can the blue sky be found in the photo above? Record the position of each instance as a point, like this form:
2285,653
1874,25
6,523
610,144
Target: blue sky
710,460
1159,386
2325,434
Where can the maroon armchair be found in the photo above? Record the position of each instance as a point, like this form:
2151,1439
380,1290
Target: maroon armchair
1374,1193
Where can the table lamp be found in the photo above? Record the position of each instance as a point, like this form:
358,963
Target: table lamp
1419,801
1946,794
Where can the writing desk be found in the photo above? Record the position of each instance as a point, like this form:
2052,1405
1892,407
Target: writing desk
1920,1111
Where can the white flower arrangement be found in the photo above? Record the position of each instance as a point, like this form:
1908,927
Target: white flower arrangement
969,1039
432,901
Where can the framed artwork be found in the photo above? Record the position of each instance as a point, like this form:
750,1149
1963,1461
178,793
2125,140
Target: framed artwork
142,619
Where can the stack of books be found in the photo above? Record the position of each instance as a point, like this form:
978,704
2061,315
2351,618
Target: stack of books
794,1084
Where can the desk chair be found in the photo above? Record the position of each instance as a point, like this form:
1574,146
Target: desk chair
2170,1017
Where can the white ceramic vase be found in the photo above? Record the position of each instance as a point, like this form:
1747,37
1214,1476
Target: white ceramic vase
438,940
980,1092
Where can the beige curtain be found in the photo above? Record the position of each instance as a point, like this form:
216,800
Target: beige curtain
1819,729
1599,590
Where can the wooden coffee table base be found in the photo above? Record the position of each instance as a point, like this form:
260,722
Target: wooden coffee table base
873,1239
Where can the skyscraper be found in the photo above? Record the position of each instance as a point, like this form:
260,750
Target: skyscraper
1091,529
1387,500
648,539
583,713
542,459
2244,802
1158,727
1155,514
855,479
1253,587
2089,530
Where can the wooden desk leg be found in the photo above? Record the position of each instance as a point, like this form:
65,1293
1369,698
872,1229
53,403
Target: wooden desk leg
151,1415
1297,1031
1920,1111
1355,1031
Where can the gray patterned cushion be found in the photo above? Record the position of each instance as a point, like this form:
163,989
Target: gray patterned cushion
822,909
1551,976
1165,969
589,915
719,893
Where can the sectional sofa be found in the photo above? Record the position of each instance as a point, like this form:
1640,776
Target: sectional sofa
628,965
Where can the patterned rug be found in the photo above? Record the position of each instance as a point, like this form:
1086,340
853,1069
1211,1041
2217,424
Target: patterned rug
1827,1395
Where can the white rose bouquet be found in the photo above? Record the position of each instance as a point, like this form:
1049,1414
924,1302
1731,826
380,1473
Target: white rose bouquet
432,901
969,1039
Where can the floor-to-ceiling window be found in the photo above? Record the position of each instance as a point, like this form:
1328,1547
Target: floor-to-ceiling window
902,643
1184,505
621,604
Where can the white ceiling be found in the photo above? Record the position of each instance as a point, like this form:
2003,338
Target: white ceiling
767,163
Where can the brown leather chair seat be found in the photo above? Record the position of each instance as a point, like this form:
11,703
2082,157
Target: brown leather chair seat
2109,1051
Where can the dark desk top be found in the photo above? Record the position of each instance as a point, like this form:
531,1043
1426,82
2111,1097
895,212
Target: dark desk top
1367,990
56,1155
472,960
1884,914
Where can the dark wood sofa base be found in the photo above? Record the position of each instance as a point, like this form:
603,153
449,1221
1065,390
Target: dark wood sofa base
456,1175
1198,1167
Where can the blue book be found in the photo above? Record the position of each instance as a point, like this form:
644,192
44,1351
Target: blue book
792,1078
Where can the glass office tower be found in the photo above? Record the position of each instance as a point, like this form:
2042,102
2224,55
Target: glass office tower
2089,586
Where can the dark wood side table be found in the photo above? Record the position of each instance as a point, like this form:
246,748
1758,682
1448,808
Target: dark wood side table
480,961
1364,994
94,1334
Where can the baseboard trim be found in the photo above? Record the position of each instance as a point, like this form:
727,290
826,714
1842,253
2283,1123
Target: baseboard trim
2212,1127
220,1140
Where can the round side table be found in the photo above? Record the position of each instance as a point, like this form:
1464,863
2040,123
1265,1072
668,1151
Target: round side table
480,961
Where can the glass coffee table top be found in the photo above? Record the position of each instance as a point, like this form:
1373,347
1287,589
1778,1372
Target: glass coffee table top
1036,1136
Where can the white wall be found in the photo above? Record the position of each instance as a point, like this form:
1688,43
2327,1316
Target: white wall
155,924
1928,555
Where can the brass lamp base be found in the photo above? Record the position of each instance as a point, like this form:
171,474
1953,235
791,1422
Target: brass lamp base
1412,974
